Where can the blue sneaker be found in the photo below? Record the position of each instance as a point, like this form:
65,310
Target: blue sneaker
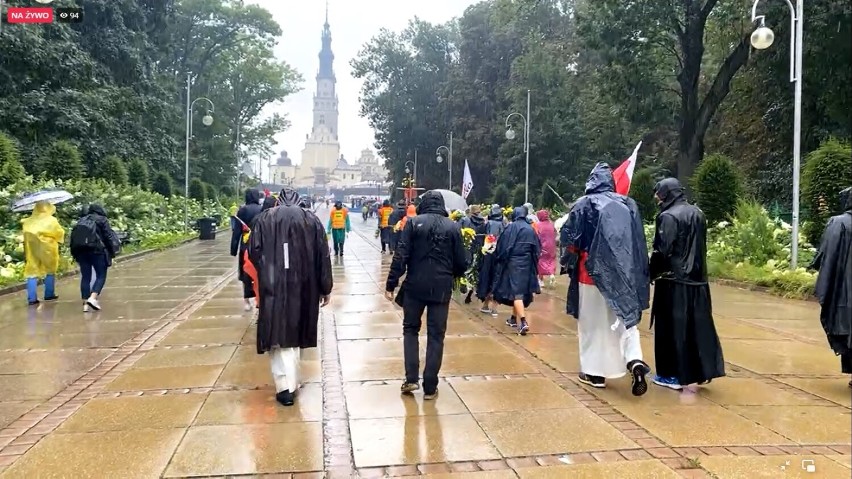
670,383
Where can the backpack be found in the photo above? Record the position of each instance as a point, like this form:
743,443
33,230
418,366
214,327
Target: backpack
85,235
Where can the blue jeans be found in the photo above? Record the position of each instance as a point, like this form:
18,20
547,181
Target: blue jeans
89,262
49,288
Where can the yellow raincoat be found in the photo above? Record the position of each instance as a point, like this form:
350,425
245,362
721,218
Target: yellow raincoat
42,236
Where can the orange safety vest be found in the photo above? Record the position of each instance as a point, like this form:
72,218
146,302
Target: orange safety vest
384,216
338,218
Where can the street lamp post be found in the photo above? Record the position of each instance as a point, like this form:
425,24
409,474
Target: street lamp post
439,159
762,39
510,135
207,120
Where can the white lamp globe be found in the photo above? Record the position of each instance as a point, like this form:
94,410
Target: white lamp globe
510,134
207,120
439,159
407,171
762,38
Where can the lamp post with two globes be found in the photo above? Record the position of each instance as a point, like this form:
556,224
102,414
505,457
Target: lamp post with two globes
206,120
510,135
762,39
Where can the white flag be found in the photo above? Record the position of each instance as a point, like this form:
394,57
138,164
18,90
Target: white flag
467,182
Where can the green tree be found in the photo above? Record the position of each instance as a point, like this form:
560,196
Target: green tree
828,169
162,184
501,195
642,191
210,192
196,190
11,169
112,169
717,187
518,195
137,173
226,192
61,160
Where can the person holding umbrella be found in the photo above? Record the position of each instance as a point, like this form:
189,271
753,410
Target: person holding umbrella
42,236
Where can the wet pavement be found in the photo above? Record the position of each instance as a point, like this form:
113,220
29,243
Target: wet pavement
165,382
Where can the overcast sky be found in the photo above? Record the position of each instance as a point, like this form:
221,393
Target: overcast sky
353,23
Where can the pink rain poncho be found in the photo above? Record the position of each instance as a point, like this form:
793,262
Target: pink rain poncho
547,236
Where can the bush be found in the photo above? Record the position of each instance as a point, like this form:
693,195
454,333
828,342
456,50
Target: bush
642,191
226,192
112,169
137,174
61,160
11,169
163,184
501,195
828,169
196,190
210,192
518,195
717,186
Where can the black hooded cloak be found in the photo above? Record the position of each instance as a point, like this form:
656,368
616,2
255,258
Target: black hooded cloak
493,226
834,283
686,345
516,259
246,214
290,252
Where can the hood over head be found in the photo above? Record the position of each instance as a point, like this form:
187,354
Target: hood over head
496,213
338,204
600,180
253,196
846,199
269,202
44,208
543,215
386,203
96,209
669,190
519,213
288,197
529,208
432,202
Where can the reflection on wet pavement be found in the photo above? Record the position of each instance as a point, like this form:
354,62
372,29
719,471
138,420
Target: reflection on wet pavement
166,382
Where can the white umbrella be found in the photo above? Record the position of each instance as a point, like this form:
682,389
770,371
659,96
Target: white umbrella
28,202
452,200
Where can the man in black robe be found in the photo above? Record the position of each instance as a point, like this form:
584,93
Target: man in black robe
834,283
686,346
289,250
240,225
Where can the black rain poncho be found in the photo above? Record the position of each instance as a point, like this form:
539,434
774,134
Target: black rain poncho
608,227
834,283
516,260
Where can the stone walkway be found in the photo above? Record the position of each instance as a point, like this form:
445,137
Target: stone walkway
165,382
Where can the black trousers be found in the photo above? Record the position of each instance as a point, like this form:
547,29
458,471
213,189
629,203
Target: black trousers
436,329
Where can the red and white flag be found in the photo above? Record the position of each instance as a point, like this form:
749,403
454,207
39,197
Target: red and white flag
624,173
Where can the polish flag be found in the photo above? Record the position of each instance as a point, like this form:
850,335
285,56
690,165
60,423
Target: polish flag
624,173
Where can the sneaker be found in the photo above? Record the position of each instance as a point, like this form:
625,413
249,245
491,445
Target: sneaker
408,388
94,303
670,383
86,308
524,329
484,310
494,313
286,398
34,303
430,396
51,298
593,381
639,369
247,306
512,322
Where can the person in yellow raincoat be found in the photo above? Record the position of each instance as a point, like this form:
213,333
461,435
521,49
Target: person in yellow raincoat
42,236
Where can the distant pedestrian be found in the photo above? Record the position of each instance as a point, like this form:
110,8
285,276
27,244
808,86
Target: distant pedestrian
834,283
515,281
289,249
239,239
686,347
42,236
395,217
385,228
610,286
494,227
338,227
93,245
430,255
547,260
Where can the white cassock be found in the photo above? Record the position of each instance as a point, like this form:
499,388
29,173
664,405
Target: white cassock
604,351
285,368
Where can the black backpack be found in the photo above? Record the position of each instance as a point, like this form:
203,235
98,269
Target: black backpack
85,235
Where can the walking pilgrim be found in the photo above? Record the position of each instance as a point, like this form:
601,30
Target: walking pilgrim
289,249
609,288
686,347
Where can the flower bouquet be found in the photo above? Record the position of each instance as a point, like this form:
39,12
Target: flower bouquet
456,215
490,244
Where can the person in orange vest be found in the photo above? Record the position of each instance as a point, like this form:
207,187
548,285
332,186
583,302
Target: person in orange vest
384,224
338,226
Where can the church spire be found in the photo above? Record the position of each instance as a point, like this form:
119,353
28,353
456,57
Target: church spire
326,57
326,13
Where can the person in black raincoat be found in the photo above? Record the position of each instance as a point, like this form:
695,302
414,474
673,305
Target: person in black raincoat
610,285
516,278
834,283
686,347
395,217
243,224
289,249
431,255
494,226
478,224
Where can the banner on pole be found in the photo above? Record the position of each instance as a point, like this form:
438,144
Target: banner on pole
467,181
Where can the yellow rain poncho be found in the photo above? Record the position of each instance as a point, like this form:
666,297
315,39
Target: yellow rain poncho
42,236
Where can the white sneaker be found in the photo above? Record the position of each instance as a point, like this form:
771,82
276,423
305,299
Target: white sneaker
248,306
94,303
86,307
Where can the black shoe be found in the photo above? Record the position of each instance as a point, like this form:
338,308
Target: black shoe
286,398
34,303
52,298
593,381
430,396
513,322
639,369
